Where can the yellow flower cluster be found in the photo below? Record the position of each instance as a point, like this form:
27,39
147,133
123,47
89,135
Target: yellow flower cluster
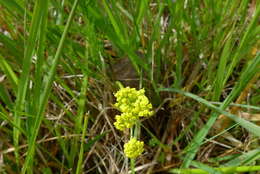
129,100
133,148
125,120
133,104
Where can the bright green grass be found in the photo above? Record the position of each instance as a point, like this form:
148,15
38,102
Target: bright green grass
58,78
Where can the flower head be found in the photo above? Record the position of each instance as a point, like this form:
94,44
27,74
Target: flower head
133,148
130,100
125,120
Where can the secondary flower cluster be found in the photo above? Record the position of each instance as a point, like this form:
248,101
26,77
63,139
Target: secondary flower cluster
133,104
133,148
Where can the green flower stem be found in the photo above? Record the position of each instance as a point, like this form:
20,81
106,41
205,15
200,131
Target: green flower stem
132,164
137,129
132,160
132,132
119,84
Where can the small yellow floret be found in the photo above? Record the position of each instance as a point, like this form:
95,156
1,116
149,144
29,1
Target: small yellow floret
133,148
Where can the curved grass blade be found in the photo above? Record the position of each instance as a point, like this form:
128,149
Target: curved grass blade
114,23
9,72
205,167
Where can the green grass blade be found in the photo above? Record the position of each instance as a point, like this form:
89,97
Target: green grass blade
141,11
7,69
79,165
221,70
240,105
224,170
205,167
114,23
245,159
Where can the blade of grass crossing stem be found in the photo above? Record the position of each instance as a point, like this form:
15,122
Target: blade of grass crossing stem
205,167
46,93
39,8
245,77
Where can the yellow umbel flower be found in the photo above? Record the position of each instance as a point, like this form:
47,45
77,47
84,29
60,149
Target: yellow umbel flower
133,148
129,100
125,120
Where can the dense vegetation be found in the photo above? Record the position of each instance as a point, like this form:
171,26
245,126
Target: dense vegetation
61,62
